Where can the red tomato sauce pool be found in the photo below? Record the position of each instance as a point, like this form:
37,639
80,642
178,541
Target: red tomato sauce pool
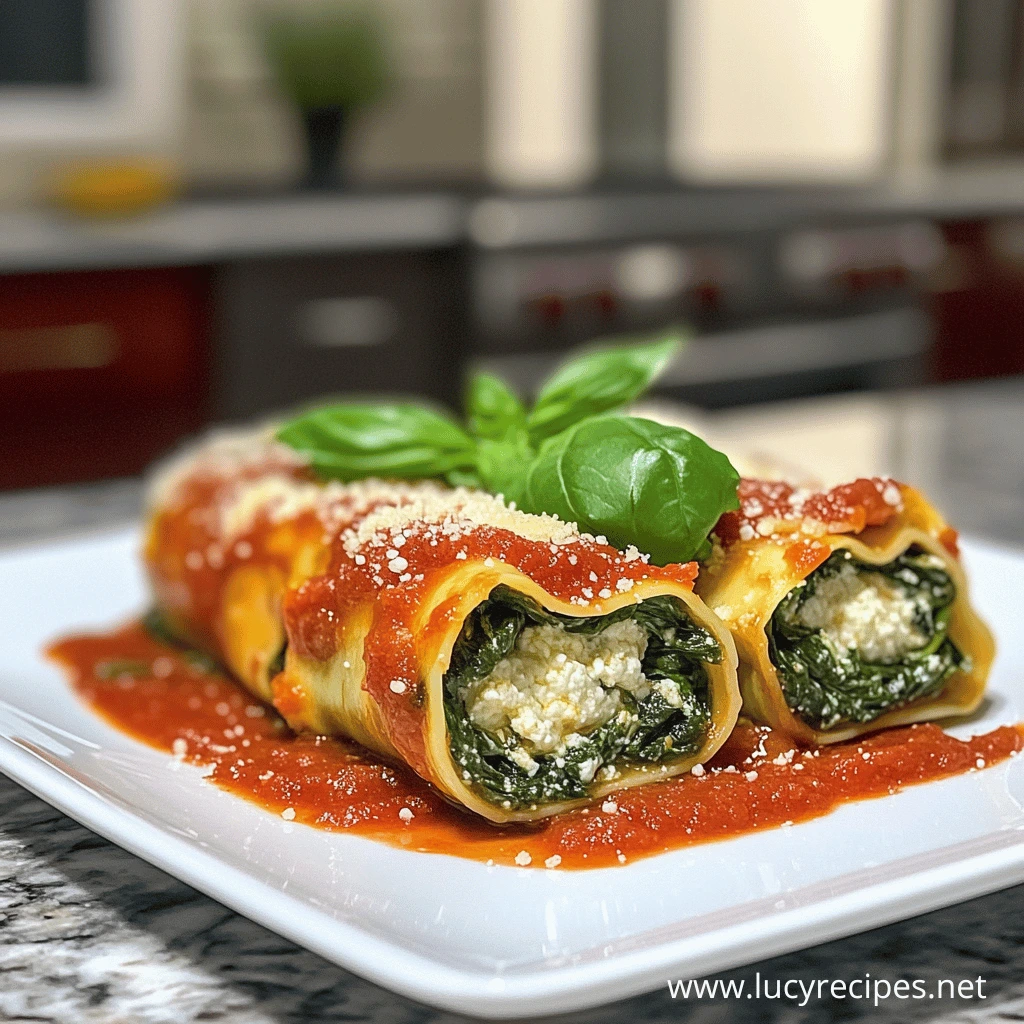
758,780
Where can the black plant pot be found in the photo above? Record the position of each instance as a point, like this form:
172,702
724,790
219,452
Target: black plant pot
324,127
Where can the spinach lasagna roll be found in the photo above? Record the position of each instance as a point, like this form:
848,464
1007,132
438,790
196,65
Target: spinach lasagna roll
849,609
519,666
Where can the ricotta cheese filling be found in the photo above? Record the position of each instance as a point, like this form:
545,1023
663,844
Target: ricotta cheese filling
539,705
866,612
855,640
556,686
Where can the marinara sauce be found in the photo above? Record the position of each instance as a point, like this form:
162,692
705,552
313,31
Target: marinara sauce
758,780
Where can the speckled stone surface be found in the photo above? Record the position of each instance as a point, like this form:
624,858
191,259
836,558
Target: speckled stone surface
90,933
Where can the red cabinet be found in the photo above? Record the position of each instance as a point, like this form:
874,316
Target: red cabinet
100,371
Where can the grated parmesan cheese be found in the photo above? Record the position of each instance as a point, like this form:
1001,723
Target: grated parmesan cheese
222,453
456,512
282,497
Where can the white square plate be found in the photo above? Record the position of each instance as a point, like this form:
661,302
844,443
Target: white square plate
498,941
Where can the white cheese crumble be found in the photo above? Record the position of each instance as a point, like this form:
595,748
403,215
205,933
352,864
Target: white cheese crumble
669,692
523,858
282,497
223,453
288,814
862,610
556,686
457,511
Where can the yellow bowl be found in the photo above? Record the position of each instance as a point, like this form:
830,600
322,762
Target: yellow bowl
118,188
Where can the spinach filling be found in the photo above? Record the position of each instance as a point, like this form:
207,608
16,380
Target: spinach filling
653,730
827,684
157,625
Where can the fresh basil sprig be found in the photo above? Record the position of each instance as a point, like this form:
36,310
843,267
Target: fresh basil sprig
493,410
596,382
635,481
632,480
352,441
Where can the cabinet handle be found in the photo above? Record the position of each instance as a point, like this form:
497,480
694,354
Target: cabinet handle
346,323
72,347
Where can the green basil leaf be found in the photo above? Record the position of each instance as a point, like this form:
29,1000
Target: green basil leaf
598,381
498,420
492,409
352,441
635,481
502,466
464,478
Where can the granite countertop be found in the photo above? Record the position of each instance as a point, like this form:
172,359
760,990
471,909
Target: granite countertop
90,933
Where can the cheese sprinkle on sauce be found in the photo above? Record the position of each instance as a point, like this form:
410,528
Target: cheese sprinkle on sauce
457,511
334,785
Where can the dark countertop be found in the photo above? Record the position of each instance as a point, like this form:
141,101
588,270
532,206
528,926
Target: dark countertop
89,932
215,229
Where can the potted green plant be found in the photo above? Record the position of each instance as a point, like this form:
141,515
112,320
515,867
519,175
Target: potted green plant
330,59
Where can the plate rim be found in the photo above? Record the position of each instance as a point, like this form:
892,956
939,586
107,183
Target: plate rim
528,991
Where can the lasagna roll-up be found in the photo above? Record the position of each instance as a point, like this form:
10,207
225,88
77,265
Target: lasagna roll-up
519,666
849,609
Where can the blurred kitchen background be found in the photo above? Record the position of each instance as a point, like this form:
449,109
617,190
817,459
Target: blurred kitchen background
213,209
